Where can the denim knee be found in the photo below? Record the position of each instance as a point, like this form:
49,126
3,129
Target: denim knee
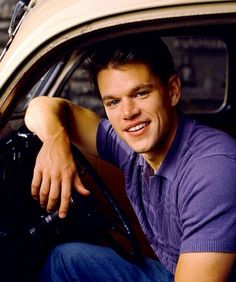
89,263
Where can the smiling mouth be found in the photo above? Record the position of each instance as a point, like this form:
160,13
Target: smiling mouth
137,127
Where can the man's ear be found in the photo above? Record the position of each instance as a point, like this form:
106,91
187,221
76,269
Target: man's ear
174,87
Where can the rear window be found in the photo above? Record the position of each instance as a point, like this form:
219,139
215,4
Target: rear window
202,66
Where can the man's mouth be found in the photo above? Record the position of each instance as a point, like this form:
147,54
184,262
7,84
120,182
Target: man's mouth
137,127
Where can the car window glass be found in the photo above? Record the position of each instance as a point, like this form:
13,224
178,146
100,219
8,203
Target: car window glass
201,63
40,88
80,90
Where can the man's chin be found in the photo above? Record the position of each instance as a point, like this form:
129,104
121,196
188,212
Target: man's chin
139,149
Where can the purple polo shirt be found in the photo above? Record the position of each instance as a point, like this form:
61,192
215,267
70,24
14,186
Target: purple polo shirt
189,205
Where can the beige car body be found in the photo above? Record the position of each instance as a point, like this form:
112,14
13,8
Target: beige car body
47,24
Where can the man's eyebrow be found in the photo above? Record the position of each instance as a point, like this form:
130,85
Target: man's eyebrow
142,87
108,97
148,86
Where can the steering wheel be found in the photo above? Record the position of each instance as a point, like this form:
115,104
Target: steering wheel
88,216
28,232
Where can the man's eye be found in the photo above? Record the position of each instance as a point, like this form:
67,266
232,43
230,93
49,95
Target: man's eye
140,94
111,103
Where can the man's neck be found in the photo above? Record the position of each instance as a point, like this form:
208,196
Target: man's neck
156,157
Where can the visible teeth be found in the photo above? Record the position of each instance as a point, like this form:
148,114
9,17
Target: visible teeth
137,127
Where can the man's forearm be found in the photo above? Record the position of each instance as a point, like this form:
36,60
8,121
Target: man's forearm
46,117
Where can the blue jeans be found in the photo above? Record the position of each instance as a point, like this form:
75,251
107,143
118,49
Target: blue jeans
90,263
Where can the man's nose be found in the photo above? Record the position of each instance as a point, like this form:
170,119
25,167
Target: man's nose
129,109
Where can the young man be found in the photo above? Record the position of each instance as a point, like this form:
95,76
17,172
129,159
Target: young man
180,175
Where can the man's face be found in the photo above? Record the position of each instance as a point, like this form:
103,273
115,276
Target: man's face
140,108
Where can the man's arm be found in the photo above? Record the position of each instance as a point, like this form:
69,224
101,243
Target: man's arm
207,267
58,123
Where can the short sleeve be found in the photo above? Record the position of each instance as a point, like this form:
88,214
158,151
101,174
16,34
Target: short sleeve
207,206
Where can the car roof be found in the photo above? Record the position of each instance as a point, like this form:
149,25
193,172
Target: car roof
50,18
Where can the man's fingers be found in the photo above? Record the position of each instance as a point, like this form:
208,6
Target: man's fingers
79,187
66,194
65,198
36,184
53,189
44,191
54,194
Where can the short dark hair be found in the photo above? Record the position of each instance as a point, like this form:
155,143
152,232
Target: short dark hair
140,48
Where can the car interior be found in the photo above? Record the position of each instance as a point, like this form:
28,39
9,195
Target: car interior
205,59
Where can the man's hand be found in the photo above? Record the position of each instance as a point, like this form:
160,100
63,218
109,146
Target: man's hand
55,175
58,123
